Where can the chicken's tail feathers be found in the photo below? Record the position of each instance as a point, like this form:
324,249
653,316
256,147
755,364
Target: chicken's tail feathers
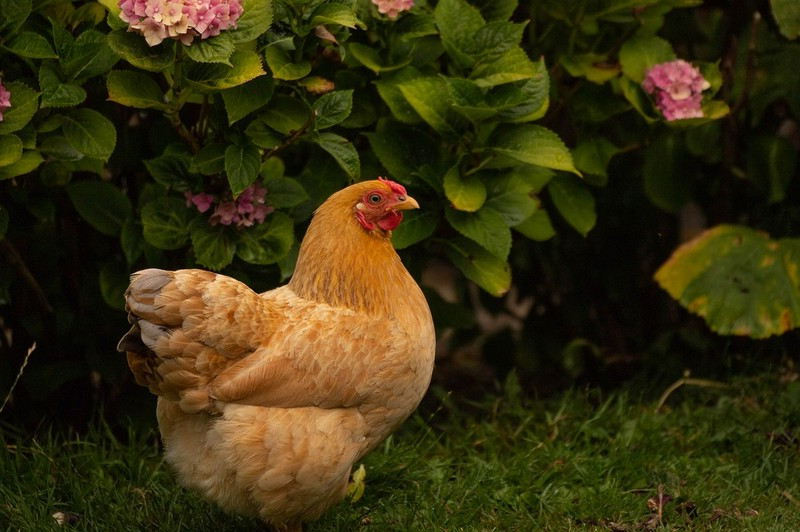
184,331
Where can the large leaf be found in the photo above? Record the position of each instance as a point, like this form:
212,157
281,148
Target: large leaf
737,279
430,98
537,226
255,20
165,223
480,266
466,193
402,149
242,100
24,102
242,163
343,151
268,242
283,67
27,163
31,45
285,114
101,204
574,201
58,94
284,192
512,66
592,157
787,15
134,89
416,227
90,133
486,227
334,13
532,144
215,50
133,49
771,162
10,149
216,76
640,53
212,245
512,197
458,23
332,108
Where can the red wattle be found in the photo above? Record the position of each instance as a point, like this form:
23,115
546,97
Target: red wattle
390,221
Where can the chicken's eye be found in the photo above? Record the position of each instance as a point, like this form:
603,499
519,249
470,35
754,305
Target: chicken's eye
375,198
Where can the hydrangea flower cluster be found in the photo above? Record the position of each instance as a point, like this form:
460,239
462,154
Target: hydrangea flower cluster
392,8
5,100
245,211
676,86
179,19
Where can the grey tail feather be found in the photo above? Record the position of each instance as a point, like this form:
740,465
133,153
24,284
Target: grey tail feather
132,340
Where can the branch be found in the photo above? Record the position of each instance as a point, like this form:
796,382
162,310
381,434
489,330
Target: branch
13,257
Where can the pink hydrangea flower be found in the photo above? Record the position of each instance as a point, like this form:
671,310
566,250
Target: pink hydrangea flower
179,19
392,8
5,100
202,201
676,87
245,211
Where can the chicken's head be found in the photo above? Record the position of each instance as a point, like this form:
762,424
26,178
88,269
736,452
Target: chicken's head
380,204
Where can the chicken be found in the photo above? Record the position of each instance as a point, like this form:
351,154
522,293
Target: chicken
265,401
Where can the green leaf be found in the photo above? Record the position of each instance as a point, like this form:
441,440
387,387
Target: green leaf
284,192
514,65
738,280
640,53
113,284
533,145
342,151
402,149
214,50
391,95
56,146
58,94
466,193
525,101
101,204
370,58
268,242
255,20
574,201
332,13
458,22
213,247
242,100
131,240
430,98
416,227
667,180
24,102
210,159
486,227
282,66
332,108
27,163
537,226
787,15
242,163
133,49
261,135
90,55
771,163
480,266
285,114
594,67
592,156
171,170
90,133
134,89
31,45
512,197
13,14
215,76
10,149
165,223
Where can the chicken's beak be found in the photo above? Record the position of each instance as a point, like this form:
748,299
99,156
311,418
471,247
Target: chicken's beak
407,203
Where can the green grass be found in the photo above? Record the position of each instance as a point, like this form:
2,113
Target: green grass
722,459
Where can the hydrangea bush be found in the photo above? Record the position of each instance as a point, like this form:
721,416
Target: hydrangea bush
203,133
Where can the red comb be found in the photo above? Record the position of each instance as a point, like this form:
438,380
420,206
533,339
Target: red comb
396,187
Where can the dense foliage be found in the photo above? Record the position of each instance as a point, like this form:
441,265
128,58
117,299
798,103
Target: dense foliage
124,147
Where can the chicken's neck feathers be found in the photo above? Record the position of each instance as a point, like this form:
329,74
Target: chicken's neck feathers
343,265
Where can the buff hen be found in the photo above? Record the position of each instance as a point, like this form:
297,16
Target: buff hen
265,401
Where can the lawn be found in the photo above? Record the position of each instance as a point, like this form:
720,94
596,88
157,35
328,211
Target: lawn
710,459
